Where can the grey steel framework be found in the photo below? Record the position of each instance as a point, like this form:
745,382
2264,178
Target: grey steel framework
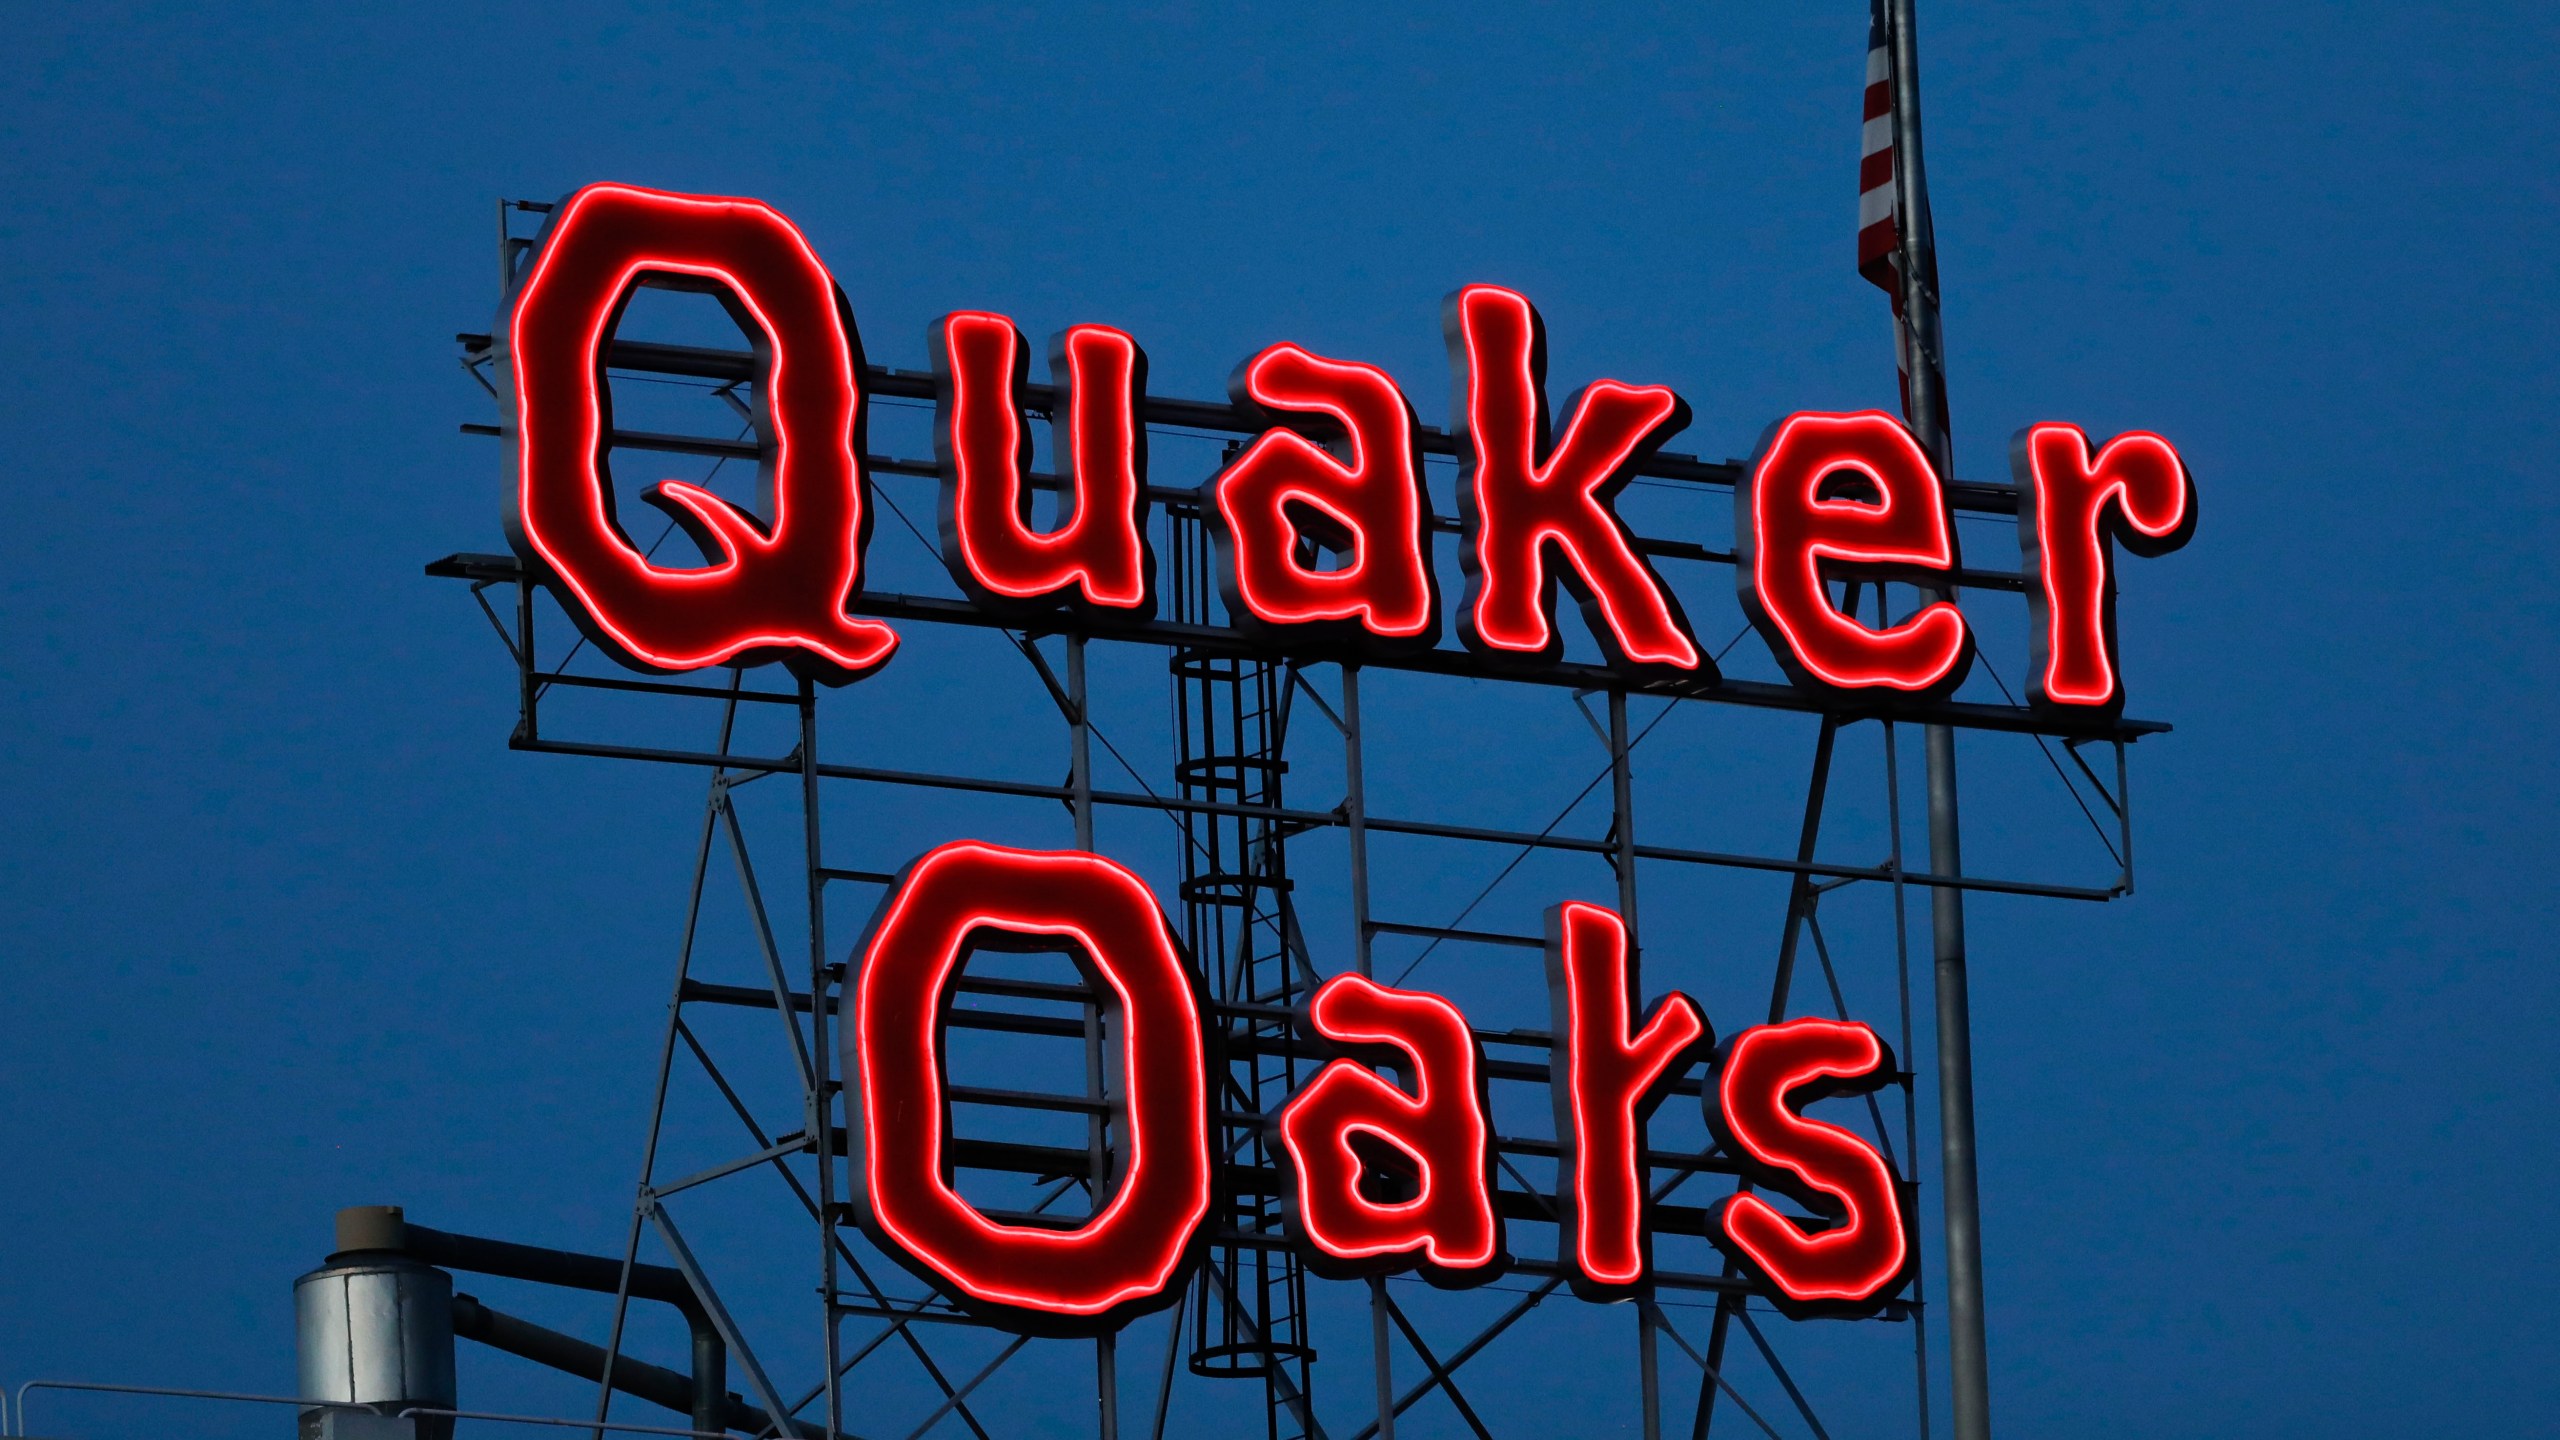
1249,1319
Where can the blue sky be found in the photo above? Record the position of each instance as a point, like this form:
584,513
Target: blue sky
284,926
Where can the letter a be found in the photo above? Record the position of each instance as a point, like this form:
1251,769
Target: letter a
1605,1083
1389,1177
1286,497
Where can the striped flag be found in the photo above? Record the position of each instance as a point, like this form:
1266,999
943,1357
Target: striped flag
1879,218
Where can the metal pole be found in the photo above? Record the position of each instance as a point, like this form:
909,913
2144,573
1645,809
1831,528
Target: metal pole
1623,824
1080,753
1967,1354
1356,813
1622,801
1355,804
821,1106
1649,1369
1383,1361
1106,1347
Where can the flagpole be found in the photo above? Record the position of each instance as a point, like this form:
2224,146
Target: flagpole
1967,1358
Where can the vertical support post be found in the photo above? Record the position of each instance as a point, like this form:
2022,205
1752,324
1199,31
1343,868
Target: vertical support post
1902,985
1106,1386
1355,806
1800,890
2124,815
1383,1360
1080,744
526,696
1967,1353
711,1378
1622,803
1623,828
1649,1369
1106,1348
821,1103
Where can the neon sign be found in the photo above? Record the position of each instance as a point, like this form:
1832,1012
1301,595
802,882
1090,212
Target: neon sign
1385,1174
1337,473
1388,1153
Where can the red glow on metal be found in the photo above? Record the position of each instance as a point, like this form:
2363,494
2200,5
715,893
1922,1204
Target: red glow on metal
775,589
1097,556
1605,1083
1514,506
1791,534
1286,490
1765,1077
2072,503
1437,1135
1130,1254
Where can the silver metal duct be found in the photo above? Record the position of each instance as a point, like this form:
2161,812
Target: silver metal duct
374,1328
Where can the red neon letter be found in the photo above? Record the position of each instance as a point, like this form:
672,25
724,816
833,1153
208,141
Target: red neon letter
1097,556
1605,1085
1131,1253
1765,1078
1286,492
1350,1133
1513,508
774,590
1790,531
2135,492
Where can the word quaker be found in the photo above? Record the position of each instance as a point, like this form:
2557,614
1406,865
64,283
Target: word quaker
1322,521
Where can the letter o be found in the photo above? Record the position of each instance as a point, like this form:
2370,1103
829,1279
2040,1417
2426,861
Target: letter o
1131,1254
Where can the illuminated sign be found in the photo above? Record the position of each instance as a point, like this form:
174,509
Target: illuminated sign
1388,1149
1323,525
1324,531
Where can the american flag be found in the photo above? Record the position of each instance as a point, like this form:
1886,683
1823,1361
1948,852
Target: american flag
1879,220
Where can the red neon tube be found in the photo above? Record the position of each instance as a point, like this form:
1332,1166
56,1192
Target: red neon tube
1286,495
1132,1253
2075,503
1350,1134
1605,1083
1097,557
1853,494
1519,501
777,586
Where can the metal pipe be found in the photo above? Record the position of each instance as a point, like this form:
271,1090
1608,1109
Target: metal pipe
816,1103
1649,1370
1355,810
573,1271
1080,752
638,1379
1226,641
1381,1359
1967,1351
1622,826
1680,855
